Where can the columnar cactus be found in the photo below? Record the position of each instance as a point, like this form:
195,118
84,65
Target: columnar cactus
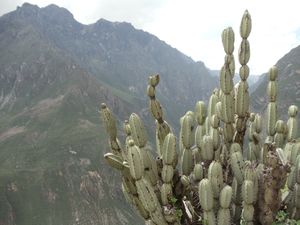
242,95
218,180
272,106
226,84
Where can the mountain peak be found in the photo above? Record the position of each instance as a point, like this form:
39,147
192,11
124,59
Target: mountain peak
56,11
27,5
52,12
28,9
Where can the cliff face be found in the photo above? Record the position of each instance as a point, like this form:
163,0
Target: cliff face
54,73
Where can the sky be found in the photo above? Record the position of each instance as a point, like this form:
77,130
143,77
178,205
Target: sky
194,27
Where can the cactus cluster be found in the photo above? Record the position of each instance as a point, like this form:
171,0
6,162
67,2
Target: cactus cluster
219,170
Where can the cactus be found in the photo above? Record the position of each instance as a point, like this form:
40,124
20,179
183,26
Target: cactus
212,176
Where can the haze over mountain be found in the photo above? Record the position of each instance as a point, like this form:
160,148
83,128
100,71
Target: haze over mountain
54,73
288,85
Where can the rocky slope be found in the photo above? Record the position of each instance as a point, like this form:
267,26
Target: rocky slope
54,73
122,57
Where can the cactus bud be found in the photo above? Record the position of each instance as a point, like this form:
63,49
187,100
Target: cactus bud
138,131
246,25
185,180
228,40
235,147
214,121
292,129
205,194
207,150
126,128
258,123
293,110
273,73
153,80
135,161
109,121
162,130
226,196
114,161
187,130
198,172
200,112
279,126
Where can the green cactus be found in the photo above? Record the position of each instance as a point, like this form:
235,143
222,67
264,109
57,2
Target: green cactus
213,177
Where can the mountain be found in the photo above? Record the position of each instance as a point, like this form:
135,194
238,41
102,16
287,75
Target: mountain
288,85
54,73
123,57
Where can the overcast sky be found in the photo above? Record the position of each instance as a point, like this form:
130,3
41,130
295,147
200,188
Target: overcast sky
194,26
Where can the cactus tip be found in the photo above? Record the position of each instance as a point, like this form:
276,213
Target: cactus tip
131,143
